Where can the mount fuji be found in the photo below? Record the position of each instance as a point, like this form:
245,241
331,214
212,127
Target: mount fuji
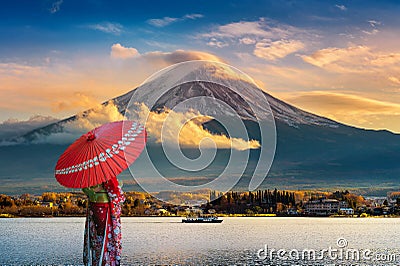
311,151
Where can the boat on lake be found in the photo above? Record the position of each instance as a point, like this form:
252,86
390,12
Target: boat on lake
212,219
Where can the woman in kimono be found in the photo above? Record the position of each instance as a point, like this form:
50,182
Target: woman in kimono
102,243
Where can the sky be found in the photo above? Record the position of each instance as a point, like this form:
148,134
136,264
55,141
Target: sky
339,59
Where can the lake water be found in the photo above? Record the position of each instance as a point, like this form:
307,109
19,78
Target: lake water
166,241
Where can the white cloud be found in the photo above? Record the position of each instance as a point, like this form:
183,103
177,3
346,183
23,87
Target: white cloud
186,130
240,29
13,127
253,32
341,7
161,22
165,21
119,51
374,23
215,43
278,49
247,41
372,32
261,28
55,7
96,116
84,122
193,16
162,45
107,27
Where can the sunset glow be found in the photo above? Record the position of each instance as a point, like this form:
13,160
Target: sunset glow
338,60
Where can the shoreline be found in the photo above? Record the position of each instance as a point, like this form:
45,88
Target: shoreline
4,216
267,203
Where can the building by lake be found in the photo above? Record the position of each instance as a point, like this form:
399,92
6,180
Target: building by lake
322,207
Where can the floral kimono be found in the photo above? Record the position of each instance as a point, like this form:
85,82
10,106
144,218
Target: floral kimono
102,243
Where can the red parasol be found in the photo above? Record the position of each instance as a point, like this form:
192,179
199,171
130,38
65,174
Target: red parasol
100,154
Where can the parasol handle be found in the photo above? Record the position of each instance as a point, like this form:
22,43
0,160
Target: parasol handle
90,136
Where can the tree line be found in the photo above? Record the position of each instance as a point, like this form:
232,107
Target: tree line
258,202
233,202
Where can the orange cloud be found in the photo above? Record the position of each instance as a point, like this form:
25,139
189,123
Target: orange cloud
386,59
52,86
80,100
354,59
179,56
186,130
333,58
394,80
119,51
346,103
274,50
349,109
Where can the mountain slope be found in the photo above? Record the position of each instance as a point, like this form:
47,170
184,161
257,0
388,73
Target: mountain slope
281,111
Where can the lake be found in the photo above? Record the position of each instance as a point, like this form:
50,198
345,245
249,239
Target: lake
237,241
